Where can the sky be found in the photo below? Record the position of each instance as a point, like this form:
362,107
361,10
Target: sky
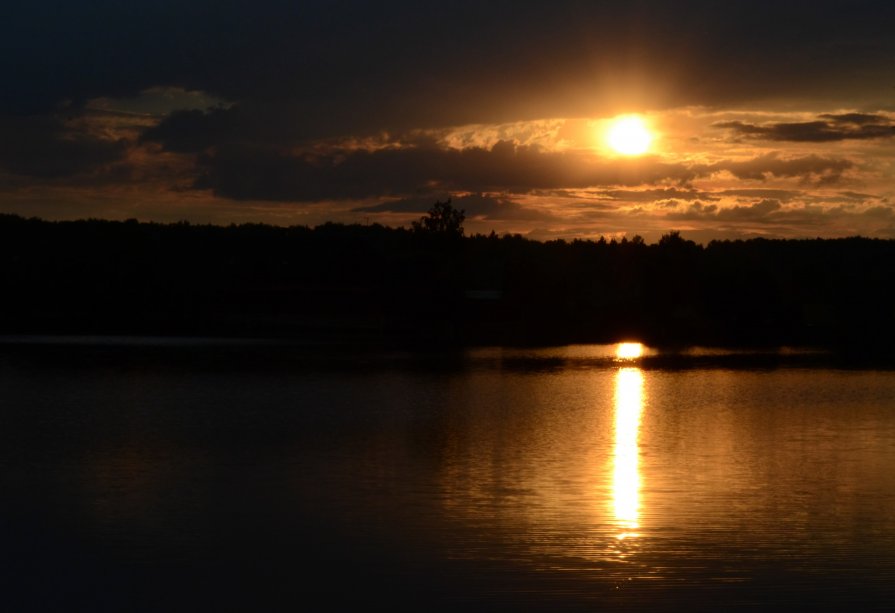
772,119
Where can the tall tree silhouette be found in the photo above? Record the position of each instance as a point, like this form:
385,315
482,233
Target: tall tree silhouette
442,219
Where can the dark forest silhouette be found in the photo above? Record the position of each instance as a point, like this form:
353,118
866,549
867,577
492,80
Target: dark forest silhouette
431,285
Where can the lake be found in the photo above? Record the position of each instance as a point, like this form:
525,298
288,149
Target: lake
160,475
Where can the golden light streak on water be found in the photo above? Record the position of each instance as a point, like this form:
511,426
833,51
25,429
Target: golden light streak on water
626,470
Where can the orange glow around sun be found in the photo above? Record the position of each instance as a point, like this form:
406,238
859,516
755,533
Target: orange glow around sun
629,135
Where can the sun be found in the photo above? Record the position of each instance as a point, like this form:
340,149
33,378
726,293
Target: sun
628,351
629,135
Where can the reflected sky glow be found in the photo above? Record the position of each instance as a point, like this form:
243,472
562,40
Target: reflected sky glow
626,472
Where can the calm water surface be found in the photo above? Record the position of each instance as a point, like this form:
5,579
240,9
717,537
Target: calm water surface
206,477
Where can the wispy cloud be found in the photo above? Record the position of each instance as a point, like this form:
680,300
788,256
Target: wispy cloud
828,127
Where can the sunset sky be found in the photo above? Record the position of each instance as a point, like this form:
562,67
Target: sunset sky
767,118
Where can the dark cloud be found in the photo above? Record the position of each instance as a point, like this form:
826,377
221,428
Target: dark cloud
476,206
809,167
46,147
846,126
697,210
879,212
194,130
859,119
252,122
419,204
781,195
333,68
858,196
671,198
253,173
788,221
264,173
655,195
758,210
763,210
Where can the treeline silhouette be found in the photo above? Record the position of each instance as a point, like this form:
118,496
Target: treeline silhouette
373,284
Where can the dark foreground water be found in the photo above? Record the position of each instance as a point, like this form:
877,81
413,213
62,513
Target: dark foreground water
155,476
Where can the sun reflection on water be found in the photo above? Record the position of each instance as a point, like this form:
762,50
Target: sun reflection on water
626,471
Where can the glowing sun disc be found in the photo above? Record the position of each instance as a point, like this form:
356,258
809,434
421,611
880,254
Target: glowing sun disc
629,135
629,351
